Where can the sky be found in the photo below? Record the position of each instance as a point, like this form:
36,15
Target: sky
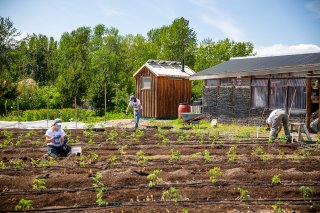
274,27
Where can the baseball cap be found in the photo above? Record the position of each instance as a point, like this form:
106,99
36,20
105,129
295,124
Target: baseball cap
131,98
55,121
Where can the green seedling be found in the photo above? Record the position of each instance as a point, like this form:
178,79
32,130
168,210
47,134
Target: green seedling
276,179
43,163
92,157
142,158
232,154
206,156
215,172
174,156
195,155
113,160
244,194
184,210
24,205
121,150
154,179
99,188
307,191
39,184
2,165
81,160
17,164
277,207
171,195
180,139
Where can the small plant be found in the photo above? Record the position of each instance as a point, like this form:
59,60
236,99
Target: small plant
244,194
306,191
232,154
184,210
281,154
277,207
113,160
264,157
215,172
2,165
171,195
17,164
24,205
43,163
92,157
257,151
154,179
180,139
142,158
276,179
99,188
165,141
206,156
81,160
195,155
39,184
174,156
121,150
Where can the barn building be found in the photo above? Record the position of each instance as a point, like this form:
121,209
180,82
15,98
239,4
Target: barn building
162,86
253,86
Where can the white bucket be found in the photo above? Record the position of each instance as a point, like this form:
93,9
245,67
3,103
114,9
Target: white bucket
76,150
214,122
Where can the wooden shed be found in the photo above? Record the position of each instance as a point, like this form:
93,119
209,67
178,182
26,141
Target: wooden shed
162,86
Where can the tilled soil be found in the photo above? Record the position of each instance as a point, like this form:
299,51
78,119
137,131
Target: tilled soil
113,153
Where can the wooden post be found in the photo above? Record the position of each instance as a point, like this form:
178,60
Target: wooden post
308,102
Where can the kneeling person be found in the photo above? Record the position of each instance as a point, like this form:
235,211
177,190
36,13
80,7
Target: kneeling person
56,140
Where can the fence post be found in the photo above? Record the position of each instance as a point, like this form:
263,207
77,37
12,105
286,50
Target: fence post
47,112
18,112
75,110
105,103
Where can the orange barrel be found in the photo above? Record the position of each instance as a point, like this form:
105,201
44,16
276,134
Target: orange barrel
183,107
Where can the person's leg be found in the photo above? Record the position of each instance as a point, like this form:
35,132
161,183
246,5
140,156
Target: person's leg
285,120
52,151
274,128
136,119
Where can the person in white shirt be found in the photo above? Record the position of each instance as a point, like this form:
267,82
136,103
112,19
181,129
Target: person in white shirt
56,140
137,109
275,121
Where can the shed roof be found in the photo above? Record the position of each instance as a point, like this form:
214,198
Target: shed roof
243,66
167,68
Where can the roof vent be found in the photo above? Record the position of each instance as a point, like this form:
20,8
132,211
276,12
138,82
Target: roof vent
151,61
162,62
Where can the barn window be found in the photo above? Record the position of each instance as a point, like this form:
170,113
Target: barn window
146,83
278,93
297,93
212,82
259,93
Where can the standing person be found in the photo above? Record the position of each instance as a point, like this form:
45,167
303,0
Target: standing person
137,109
56,140
275,121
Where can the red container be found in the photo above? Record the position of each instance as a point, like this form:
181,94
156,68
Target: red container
183,107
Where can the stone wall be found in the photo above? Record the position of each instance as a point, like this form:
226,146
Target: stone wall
232,104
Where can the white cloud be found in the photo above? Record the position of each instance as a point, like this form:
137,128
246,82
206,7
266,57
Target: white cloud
280,49
314,7
219,19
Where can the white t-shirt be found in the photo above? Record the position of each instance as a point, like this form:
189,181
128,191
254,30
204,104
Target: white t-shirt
271,116
136,105
56,135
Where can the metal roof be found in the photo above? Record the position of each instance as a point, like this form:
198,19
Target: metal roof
258,65
167,68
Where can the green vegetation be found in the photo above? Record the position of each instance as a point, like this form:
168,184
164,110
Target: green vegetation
306,191
43,163
232,154
276,179
154,179
244,194
142,158
113,160
206,156
171,195
39,184
277,207
215,172
174,156
99,188
17,164
2,165
24,205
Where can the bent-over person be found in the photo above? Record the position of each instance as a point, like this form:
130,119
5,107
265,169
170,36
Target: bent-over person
275,121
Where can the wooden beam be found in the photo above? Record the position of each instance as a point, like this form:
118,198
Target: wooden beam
308,103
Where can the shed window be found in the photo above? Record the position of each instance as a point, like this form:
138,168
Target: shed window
212,82
259,93
146,83
278,93
297,93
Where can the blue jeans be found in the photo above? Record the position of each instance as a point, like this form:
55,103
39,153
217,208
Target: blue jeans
137,116
57,151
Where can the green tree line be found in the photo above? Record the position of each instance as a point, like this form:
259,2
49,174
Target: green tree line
38,70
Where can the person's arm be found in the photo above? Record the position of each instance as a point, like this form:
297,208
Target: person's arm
49,139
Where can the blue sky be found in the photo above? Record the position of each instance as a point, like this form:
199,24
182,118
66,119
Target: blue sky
273,26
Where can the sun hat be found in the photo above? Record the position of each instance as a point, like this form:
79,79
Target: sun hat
55,121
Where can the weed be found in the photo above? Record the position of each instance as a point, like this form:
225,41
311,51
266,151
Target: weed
171,195
244,194
232,154
39,184
306,191
277,207
24,205
154,179
276,179
215,172
174,156
206,156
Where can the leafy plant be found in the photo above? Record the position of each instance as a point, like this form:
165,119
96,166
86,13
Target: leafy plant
215,172
39,184
244,194
184,210
276,179
92,157
99,188
232,154
172,194
277,207
2,165
121,150
17,164
24,205
113,160
154,179
307,191
81,160
206,156
142,158
174,156
43,163
195,155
